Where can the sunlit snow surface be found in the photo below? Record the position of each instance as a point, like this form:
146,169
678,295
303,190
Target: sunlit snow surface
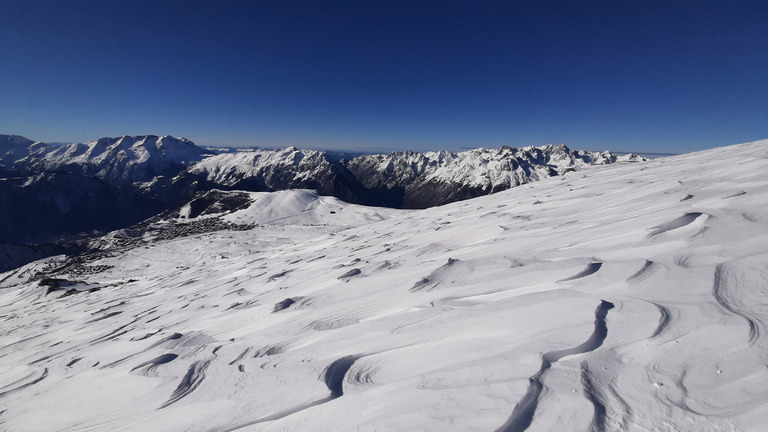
483,315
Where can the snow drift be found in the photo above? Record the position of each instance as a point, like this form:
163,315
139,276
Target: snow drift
621,297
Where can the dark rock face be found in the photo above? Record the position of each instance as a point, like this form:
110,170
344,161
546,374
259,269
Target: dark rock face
434,193
215,201
13,255
46,206
268,171
422,180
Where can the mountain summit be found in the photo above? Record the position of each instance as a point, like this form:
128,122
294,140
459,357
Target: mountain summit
118,161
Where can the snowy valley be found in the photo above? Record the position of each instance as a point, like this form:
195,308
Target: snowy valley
620,297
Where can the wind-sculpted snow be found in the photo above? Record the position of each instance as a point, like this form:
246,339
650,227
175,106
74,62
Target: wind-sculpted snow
597,300
680,222
334,375
664,317
23,383
524,411
646,270
745,300
150,367
192,379
591,269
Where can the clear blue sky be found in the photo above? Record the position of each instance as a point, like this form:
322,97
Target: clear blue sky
654,76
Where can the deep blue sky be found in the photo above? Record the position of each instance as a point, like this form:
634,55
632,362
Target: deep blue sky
653,76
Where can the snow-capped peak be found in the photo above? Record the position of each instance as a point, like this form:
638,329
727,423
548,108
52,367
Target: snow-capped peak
13,148
119,161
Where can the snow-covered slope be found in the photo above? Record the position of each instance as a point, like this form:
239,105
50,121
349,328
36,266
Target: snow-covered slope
485,168
228,169
306,208
271,170
13,148
150,173
401,179
48,191
623,297
118,161
300,208
435,178
173,169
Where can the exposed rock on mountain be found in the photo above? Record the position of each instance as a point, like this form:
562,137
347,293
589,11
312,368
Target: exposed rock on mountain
173,169
45,206
54,190
290,168
435,178
402,179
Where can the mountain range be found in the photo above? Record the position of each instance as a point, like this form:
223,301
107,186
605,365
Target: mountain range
49,191
620,297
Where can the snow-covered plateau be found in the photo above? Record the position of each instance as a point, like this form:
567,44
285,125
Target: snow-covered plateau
629,297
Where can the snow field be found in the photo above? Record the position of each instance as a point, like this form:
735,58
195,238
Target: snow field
448,322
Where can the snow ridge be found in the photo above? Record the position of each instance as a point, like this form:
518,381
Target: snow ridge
13,148
401,179
118,161
490,169
163,167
